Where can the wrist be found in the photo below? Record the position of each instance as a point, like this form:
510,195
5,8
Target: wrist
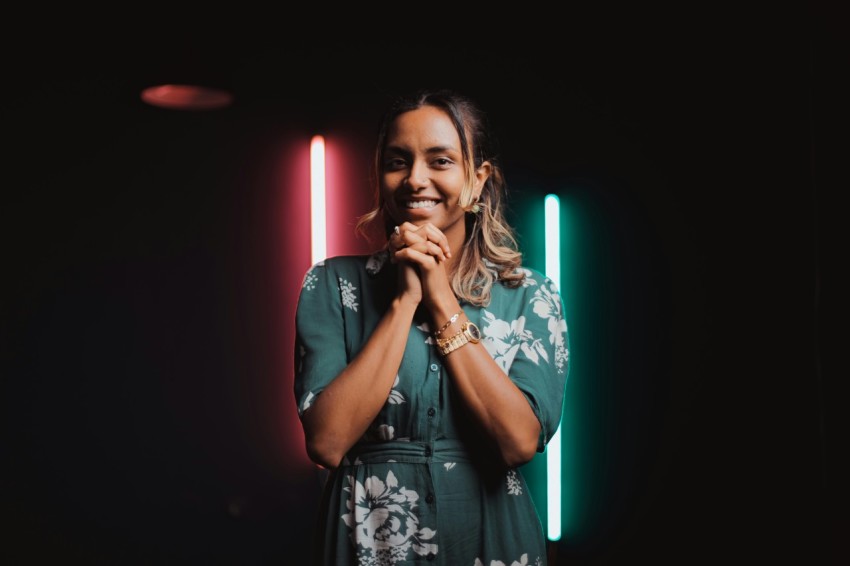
468,334
442,313
404,305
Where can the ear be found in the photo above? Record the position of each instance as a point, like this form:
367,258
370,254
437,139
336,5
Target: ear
481,176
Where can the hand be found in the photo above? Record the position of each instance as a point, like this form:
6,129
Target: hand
426,249
407,234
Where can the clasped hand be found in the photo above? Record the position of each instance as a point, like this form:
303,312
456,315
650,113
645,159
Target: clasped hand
421,253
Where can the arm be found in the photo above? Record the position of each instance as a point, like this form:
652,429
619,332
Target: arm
495,401
342,413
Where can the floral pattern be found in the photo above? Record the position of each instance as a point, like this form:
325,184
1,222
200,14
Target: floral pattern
547,304
514,485
426,328
396,397
379,508
503,340
376,262
308,401
310,281
529,277
384,528
523,561
349,299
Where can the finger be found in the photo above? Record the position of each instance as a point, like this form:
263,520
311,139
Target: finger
407,235
416,256
397,238
431,249
434,234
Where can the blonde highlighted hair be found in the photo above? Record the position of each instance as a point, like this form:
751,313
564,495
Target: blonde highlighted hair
490,252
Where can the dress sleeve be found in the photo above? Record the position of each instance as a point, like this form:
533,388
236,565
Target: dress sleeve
533,349
319,335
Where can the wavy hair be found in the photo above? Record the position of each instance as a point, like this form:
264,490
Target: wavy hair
490,252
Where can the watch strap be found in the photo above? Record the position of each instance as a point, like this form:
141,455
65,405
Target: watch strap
452,343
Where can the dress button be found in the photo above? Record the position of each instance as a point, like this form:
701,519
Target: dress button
432,411
427,450
429,498
435,367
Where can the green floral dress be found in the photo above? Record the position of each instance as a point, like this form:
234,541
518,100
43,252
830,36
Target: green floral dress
423,484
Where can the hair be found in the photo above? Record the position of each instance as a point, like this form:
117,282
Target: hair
490,251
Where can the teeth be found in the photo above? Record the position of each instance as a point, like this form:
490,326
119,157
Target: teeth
420,204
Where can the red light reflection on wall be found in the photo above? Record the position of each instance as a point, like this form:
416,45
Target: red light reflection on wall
348,195
186,97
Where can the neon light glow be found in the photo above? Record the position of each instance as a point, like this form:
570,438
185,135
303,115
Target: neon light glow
318,237
552,227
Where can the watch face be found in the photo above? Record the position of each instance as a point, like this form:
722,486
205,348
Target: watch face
474,333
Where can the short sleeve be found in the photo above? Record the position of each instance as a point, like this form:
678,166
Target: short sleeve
319,337
533,348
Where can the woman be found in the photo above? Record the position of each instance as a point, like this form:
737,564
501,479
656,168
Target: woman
429,371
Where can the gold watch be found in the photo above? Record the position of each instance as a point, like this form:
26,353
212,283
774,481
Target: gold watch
468,333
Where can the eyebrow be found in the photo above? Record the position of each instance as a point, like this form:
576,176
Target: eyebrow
434,149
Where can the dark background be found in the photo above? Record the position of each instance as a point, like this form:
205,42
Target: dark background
152,260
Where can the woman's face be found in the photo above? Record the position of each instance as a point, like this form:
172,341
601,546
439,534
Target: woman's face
423,171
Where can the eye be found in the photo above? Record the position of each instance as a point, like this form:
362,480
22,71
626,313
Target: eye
443,162
394,164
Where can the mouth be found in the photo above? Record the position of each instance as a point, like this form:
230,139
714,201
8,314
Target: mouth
414,204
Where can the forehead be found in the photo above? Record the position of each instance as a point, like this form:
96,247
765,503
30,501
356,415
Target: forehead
422,128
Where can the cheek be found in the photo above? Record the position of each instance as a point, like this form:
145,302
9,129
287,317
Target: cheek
386,195
389,184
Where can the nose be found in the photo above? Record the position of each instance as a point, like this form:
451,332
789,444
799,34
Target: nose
418,178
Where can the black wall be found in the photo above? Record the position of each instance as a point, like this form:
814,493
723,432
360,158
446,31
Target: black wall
140,337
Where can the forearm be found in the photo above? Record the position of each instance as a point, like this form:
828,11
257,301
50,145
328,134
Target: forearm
496,402
493,399
348,405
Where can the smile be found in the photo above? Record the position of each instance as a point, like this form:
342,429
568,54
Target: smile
419,203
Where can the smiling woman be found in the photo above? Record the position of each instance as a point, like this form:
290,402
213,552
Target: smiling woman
423,417
423,178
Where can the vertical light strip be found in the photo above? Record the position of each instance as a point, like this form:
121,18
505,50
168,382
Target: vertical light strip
552,227
318,238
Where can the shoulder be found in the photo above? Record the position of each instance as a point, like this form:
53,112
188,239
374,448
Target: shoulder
351,264
360,270
532,278
533,287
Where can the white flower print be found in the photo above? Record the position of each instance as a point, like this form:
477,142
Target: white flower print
547,304
386,432
384,528
523,561
349,299
379,433
305,404
514,486
310,281
424,327
347,462
503,340
528,280
449,465
376,262
395,398
491,267
310,277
